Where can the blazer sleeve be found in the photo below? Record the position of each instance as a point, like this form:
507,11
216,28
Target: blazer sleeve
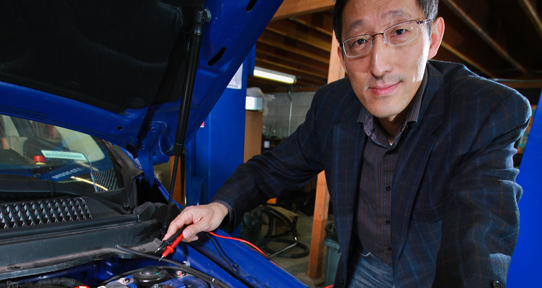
481,217
291,164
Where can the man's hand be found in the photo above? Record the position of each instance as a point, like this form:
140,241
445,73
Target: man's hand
199,218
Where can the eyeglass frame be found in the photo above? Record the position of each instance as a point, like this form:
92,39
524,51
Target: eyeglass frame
418,22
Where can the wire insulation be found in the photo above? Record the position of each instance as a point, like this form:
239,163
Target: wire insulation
223,257
240,240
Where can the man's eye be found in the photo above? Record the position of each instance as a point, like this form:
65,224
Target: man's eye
399,31
361,41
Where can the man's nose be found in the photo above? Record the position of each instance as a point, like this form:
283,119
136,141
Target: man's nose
380,57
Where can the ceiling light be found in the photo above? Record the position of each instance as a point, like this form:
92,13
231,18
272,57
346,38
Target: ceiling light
274,75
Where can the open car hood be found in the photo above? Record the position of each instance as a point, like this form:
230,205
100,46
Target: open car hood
115,69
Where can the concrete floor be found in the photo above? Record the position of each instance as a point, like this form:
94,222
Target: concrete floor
298,267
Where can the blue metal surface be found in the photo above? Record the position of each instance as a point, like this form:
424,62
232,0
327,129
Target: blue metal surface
94,273
248,264
231,27
525,267
217,148
185,282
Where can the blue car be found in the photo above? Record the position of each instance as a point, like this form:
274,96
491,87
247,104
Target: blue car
93,95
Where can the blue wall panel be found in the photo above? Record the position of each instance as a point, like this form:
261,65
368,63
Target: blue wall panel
218,146
526,266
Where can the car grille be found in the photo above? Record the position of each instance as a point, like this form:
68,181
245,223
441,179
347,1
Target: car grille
13,215
106,179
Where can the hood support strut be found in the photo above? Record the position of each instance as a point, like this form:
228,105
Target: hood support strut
200,17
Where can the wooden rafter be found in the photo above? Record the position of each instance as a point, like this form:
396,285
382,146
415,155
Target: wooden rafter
484,35
315,67
291,51
292,8
302,59
315,28
532,15
298,38
279,40
302,32
466,59
321,21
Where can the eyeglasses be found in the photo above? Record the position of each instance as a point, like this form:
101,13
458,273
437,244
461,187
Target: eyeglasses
395,35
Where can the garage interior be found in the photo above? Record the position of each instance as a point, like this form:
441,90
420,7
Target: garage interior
497,39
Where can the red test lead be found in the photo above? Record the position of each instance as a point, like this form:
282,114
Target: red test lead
170,248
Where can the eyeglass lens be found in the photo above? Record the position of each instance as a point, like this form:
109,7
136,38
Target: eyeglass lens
399,34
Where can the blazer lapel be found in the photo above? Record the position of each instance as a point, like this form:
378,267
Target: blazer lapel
343,175
413,158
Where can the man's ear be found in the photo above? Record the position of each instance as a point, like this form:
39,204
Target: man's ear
341,56
437,32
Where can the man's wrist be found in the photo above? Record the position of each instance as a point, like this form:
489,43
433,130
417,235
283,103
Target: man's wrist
228,217
222,209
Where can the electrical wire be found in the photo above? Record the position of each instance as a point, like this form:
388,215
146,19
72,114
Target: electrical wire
240,240
223,257
205,277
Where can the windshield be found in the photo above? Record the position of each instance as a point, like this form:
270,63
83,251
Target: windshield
31,149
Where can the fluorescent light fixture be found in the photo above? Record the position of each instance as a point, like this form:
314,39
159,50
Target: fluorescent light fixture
274,75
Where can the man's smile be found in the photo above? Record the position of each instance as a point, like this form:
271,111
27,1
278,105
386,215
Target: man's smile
383,90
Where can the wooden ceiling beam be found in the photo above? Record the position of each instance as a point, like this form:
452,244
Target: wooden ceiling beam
292,8
293,49
530,10
294,62
305,60
321,21
466,58
294,39
467,46
302,33
483,34
315,28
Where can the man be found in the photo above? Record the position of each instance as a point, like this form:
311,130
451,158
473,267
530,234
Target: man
417,156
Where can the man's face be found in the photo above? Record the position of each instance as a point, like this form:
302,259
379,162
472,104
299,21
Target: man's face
386,79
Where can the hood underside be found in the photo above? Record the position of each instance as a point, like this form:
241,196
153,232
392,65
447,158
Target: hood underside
116,69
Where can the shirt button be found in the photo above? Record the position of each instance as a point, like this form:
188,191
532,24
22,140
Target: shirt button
389,249
388,222
388,188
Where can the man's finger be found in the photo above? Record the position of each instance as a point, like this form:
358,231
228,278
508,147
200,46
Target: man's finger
192,230
175,225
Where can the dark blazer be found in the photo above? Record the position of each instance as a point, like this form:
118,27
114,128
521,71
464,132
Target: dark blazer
454,217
